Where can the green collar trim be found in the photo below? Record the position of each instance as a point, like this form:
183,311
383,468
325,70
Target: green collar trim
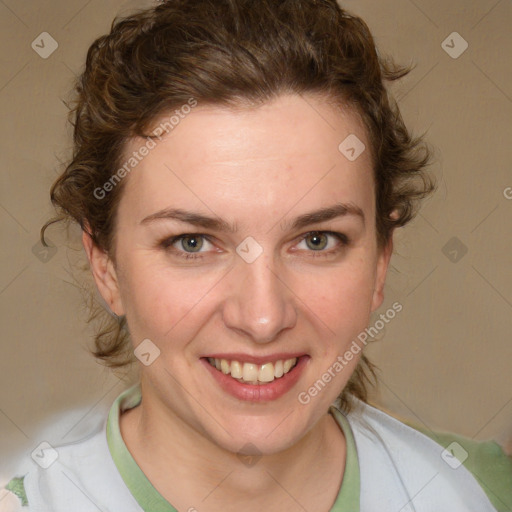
348,497
136,481
150,499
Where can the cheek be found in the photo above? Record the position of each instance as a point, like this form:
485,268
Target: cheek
159,300
340,292
340,300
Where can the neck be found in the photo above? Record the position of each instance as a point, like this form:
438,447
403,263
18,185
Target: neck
181,462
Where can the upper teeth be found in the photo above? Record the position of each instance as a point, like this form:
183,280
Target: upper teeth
253,373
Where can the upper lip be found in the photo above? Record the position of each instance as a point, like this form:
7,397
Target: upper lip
246,358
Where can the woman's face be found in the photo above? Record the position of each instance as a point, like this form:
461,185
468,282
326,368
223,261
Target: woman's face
280,262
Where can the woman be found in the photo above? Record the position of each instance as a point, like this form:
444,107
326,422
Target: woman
238,174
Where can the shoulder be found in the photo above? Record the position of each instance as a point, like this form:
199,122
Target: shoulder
47,469
13,497
398,464
486,461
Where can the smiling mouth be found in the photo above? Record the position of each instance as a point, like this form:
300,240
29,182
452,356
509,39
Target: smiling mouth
256,374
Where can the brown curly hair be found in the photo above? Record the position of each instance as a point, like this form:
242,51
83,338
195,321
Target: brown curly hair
231,53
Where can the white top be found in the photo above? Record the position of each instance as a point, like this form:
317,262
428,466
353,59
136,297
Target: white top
400,470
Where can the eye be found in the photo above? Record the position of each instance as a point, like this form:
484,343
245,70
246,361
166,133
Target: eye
323,242
189,245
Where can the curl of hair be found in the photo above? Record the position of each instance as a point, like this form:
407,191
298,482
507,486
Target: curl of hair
232,53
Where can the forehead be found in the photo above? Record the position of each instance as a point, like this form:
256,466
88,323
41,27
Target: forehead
272,156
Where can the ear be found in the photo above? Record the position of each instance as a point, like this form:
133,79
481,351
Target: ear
380,277
104,273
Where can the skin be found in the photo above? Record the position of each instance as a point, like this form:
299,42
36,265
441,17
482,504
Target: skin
259,169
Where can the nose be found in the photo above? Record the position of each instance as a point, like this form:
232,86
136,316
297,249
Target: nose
260,305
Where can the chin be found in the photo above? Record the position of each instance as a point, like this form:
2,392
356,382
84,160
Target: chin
263,435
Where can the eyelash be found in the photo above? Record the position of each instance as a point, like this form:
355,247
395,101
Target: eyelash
168,243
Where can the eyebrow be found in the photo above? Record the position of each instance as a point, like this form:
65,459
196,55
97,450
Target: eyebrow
328,213
218,224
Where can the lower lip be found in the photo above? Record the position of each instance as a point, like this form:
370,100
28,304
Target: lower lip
258,392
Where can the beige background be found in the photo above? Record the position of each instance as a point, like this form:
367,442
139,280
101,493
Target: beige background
445,359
